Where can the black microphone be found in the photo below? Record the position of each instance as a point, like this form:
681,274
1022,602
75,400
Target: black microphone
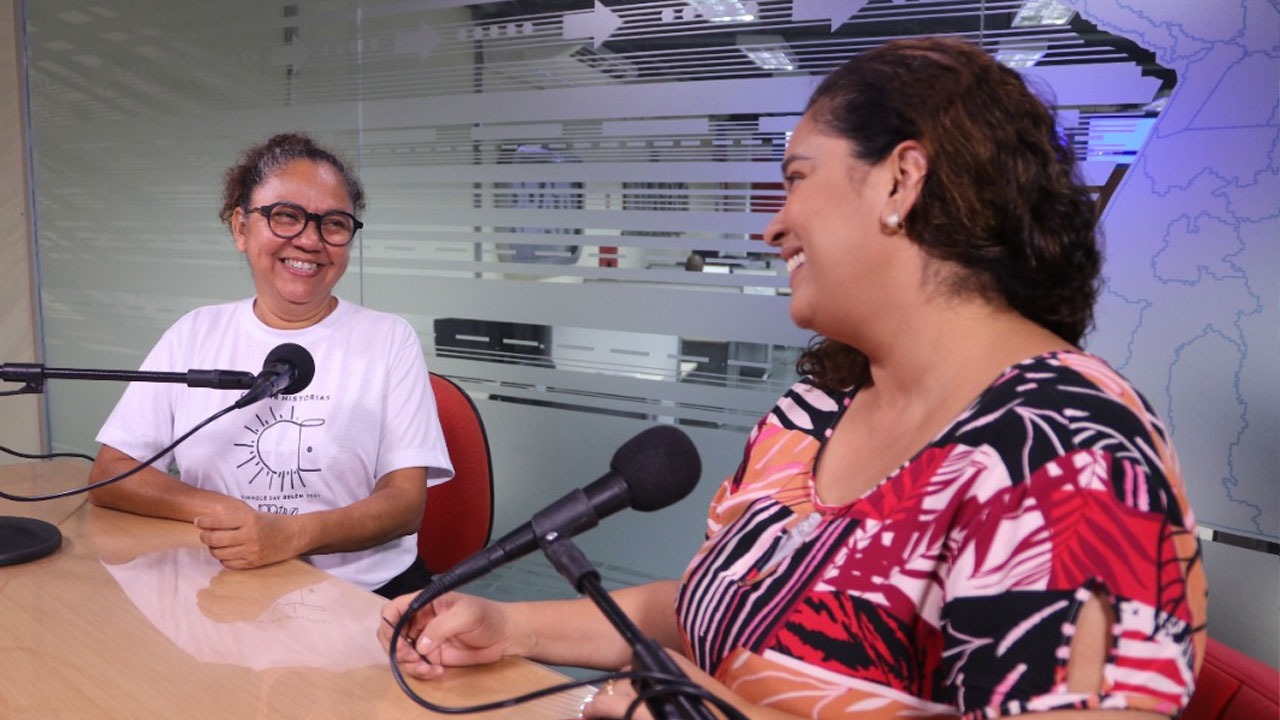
649,472
287,370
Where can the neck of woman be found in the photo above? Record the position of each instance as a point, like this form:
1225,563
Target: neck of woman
289,320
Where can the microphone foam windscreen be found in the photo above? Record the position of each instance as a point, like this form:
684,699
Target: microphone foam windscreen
660,465
300,359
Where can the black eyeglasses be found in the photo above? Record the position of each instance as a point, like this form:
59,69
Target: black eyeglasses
287,220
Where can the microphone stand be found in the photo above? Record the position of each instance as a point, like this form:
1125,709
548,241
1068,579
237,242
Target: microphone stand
647,655
23,539
33,375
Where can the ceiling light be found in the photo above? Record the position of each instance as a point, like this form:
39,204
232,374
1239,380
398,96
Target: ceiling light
1024,56
726,10
770,52
1036,13
771,58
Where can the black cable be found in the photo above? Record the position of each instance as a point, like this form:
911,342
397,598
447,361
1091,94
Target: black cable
123,475
668,685
682,686
43,456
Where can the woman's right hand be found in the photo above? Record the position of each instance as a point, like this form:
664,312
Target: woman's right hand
452,630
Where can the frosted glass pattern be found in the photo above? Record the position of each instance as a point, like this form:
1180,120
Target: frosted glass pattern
565,198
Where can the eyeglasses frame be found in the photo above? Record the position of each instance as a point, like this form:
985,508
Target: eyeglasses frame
308,217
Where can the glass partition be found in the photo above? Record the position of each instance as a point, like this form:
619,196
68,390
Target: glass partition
565,198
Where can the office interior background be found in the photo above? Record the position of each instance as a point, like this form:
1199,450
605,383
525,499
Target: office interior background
565,200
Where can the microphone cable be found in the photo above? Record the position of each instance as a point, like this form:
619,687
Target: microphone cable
291,355
133,471
667,685
43,456
676,687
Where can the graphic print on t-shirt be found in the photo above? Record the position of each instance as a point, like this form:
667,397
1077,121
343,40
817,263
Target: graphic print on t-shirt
278,453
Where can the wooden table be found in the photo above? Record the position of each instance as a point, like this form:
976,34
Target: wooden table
132,618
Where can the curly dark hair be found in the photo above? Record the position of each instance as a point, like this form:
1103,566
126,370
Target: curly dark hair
1002,199
258,162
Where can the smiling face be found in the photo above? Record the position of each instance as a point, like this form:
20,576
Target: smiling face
294,279
830,230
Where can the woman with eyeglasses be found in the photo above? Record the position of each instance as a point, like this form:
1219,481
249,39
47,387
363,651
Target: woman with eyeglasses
336,474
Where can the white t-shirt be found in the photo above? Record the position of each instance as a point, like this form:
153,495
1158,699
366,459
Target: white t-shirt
368,410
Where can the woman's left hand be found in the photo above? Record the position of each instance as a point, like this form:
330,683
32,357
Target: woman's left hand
612,700
615,696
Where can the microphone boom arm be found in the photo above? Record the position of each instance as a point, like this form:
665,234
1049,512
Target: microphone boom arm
33,376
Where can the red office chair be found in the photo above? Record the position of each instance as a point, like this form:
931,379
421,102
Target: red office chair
1234,686
459,516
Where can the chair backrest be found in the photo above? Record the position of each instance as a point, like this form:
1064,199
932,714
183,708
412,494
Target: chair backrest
1233,686
459,516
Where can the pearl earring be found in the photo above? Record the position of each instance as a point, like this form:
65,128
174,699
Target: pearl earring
894,222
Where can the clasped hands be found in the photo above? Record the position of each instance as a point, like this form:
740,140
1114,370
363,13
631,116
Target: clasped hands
241,538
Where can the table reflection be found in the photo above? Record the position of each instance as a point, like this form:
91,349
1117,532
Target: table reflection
133,618
221,616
